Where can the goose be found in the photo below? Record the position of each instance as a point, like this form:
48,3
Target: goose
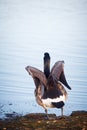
50,85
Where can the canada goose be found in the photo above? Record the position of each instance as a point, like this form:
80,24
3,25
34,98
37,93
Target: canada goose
50,91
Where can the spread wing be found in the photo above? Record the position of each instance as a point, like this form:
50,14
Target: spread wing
57,69
57,73
37,75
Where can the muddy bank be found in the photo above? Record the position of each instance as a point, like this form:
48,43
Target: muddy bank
76,121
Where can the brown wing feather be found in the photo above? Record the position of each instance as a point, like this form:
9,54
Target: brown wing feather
57,73
37,75
57,69
62,89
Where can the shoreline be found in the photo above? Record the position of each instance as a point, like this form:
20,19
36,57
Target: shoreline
77,120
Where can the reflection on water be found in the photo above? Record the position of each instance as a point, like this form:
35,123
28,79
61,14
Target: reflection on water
27,30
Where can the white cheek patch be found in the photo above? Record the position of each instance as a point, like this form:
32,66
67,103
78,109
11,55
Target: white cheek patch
48,102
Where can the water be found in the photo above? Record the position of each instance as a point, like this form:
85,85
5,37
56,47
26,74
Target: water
27,30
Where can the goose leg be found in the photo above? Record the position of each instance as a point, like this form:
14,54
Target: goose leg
46,113
62,111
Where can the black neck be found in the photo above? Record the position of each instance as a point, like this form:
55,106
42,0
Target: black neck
46,64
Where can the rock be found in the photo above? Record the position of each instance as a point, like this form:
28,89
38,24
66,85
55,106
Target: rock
76,121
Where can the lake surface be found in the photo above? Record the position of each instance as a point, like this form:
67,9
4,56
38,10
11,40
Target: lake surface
28,28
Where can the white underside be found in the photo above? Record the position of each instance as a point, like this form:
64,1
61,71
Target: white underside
48,102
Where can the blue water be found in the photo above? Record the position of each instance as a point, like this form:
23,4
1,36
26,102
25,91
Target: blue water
28,28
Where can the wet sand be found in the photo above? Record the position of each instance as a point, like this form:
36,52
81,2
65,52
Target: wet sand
38,121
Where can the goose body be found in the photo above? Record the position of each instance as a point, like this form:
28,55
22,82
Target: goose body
50,86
